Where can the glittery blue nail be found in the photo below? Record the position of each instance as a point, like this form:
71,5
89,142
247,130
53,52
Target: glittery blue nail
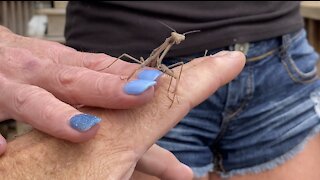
83,122
138,86
149,74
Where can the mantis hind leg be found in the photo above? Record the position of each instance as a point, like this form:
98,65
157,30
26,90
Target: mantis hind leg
178,78
175,65
177,82
123,55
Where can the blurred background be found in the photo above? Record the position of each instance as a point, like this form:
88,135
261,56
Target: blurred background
46,20
43,19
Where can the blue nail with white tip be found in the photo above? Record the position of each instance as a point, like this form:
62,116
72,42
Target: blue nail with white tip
149,74
138,86
84,122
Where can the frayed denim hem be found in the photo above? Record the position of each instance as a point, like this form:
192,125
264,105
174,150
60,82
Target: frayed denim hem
202,171
273,163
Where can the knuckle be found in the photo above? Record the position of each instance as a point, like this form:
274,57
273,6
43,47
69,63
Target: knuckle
68,77
100,86
48,110
30,65
95,61
23,98
71,82
21,59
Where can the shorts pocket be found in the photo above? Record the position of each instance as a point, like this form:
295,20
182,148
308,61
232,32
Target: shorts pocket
300,60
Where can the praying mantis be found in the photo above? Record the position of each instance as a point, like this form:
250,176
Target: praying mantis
156,57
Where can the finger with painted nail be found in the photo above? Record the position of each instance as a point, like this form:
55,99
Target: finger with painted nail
77,85
43,111
73,84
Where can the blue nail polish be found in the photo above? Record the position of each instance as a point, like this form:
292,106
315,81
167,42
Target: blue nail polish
138,86
149,74
83,122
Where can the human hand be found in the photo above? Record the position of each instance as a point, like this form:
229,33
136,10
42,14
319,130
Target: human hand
125,135
41,80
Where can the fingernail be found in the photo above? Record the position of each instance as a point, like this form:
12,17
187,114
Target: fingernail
149,74
138,86
83,122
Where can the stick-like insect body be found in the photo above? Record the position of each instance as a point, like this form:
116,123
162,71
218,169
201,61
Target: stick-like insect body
158,54
156,57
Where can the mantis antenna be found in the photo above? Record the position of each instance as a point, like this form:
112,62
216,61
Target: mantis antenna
167,26
190,32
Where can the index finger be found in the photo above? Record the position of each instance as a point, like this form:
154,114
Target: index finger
96,61
77,85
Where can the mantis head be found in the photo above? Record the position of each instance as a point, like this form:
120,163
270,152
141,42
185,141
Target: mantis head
177,38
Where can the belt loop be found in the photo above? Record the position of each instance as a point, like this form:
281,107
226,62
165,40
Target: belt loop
285,42
244,48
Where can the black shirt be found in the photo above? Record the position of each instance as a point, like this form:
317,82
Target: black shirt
134,28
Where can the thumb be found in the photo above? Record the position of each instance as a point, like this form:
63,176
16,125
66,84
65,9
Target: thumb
163,164
205,75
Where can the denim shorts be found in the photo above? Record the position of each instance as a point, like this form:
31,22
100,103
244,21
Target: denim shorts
260,119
